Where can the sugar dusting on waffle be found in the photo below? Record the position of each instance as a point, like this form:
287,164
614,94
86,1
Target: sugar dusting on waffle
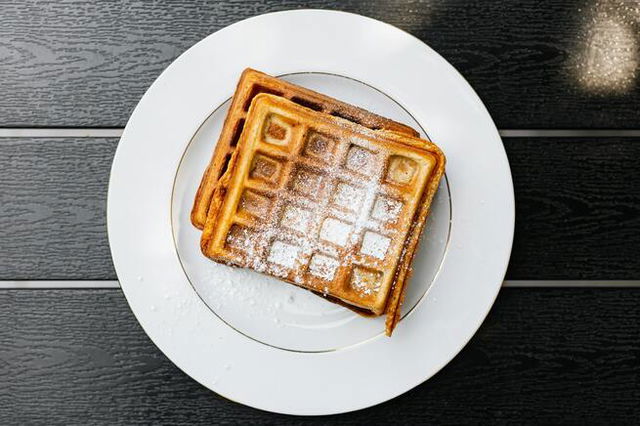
251,84
350,214
319,202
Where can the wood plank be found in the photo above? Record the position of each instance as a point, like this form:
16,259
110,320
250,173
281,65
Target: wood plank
577,201
546,356
53,208
577,208
85,63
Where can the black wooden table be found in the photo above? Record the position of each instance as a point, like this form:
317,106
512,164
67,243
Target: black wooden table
562,343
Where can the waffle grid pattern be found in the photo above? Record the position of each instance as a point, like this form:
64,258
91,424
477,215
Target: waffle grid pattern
250,85
327,213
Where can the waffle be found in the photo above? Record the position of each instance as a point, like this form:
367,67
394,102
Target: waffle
325,204
251,83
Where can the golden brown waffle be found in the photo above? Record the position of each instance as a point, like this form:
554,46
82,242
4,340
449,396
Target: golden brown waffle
325,204
251,83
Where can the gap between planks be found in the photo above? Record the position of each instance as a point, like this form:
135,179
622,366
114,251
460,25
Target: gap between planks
113,284
51,132
117,132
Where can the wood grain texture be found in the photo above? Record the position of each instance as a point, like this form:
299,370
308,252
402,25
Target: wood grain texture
85,63
577,208
53,208
545,356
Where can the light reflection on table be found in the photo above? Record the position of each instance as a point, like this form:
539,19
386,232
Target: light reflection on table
607,53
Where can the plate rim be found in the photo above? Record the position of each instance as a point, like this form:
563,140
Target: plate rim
114,241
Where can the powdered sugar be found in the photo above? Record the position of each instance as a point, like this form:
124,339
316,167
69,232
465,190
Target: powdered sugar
335,231
365,281
360,159
327,206
283,254
386,209
306,182
348,196
375,245
296,218
323,267
241,238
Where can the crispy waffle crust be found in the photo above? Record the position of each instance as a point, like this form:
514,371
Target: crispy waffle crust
252,83
325,204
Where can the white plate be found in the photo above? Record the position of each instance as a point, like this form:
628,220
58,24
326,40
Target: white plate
264,343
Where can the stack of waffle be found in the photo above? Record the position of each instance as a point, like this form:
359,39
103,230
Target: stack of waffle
318,193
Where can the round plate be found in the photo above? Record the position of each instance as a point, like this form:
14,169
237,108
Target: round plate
254,339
